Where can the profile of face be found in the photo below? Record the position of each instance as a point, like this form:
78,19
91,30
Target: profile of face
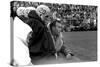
46,18
58,26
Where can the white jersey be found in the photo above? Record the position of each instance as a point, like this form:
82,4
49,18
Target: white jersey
21,52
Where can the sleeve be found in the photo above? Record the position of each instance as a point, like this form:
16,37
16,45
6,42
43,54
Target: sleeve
36,26
37,30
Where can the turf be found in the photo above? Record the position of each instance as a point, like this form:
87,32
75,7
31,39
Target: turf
83,44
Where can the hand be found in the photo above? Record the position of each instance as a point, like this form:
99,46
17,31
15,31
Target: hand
69,56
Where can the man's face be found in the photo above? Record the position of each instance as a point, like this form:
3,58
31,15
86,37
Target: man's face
58,26
46,18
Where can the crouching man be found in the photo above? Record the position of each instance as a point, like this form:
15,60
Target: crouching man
56,28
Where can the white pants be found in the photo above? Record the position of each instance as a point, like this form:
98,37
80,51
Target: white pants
21,52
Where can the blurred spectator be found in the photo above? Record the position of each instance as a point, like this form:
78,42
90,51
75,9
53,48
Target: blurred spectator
66,11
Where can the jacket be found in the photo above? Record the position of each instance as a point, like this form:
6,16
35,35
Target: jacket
41,41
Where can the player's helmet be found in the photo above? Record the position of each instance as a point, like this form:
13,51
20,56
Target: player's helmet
43,10
20,11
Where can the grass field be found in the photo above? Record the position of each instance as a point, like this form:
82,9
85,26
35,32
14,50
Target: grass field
83,44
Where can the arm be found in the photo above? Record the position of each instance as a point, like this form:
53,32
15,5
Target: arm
61,37
37,30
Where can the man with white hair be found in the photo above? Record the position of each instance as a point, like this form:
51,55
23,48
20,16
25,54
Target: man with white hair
21,30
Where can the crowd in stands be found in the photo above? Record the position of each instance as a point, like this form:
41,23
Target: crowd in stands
73,17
